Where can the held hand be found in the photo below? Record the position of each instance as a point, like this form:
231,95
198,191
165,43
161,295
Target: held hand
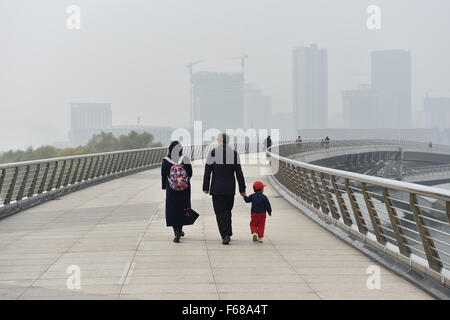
243,194
205,191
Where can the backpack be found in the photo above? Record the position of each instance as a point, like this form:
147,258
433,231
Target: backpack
177,179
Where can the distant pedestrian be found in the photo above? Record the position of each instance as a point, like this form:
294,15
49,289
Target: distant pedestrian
268,142
327,142
299,139
260,206
176,172
224,165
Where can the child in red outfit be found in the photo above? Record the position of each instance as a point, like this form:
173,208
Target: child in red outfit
260,205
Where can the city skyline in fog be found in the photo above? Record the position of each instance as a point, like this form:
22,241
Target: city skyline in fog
134,55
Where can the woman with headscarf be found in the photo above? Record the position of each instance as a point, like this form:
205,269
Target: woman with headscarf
176,171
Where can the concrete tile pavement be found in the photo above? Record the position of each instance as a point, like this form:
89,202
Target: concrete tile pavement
115,233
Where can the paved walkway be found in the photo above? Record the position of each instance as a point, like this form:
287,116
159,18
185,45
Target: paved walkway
115,233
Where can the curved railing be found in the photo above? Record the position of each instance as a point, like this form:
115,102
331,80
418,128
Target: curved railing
290,148
409,221
25,183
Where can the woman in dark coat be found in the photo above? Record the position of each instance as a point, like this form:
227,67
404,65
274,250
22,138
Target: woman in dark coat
177,202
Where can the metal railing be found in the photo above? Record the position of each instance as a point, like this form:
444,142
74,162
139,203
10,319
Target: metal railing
290,148
409,221
21,183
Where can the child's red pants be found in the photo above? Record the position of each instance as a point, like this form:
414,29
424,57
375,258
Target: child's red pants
257,224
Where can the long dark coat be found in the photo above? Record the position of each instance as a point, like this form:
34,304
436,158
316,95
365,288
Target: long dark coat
176,201
223,163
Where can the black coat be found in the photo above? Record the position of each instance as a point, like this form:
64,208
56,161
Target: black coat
223,163
176,201
268,142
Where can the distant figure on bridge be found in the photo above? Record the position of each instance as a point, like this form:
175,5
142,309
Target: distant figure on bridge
299,139
260,205
176,172
430,144
267,142
224,164
327,142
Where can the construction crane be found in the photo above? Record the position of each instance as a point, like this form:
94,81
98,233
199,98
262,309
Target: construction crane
242,58
189,66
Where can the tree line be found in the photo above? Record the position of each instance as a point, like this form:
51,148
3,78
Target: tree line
102,142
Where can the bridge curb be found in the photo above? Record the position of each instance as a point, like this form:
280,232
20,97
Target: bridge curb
400,268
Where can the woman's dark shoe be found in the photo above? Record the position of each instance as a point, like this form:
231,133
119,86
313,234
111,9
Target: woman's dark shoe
226,240
182,234
177,237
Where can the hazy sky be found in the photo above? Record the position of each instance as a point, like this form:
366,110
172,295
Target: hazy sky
133,54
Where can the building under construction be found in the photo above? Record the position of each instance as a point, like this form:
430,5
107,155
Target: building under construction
218,99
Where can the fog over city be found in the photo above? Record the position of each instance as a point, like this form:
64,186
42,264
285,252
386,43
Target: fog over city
133,55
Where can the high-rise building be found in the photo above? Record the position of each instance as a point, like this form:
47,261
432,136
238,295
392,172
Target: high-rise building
258,108
438,110
87,119
391,82
218,99
310,87
360,108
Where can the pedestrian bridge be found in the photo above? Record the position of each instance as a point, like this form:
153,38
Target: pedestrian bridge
108,240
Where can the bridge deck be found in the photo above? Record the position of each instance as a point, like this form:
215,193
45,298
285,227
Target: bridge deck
115,232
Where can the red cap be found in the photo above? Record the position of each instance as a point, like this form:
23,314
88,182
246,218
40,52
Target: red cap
258,185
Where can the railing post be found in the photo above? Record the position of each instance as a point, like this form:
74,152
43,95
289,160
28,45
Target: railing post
107,164
61,174
11,186
355,208
281,174
87,169
330,200
119,162
44,179
2,179
395,223
143,158
69,172
147,158
373,215
153,154
312,193
319,193
344,211
427,242
112,164
52,177
306,189
447,209
137,160
83,170
94,173
24,183
294,185
126,161
301,185
33,183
